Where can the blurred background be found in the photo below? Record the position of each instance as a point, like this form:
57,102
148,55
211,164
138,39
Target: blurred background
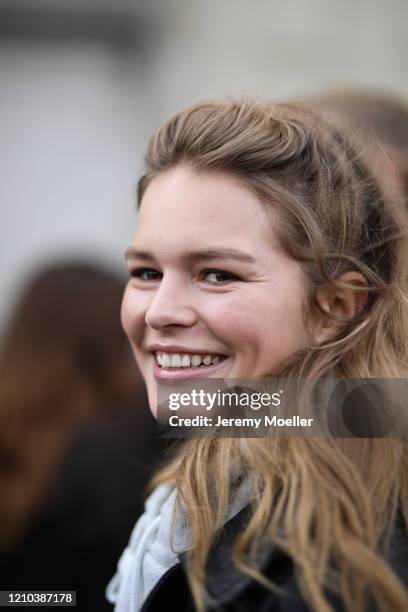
83,83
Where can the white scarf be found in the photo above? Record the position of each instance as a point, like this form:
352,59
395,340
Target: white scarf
150,553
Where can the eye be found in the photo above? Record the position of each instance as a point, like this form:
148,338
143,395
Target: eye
146,274
218,277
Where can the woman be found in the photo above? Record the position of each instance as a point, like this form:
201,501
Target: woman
264,247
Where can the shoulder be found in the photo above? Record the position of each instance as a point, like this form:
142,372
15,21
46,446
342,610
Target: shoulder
233,590
237,592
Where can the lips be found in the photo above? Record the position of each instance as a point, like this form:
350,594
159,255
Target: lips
176,362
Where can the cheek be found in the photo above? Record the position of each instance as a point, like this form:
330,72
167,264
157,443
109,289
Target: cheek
132,315
233,321
254,323
125,313
284,332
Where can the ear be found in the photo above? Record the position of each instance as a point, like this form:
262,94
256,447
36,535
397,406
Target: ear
341,304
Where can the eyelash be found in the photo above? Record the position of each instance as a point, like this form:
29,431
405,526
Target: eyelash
229,276
139,272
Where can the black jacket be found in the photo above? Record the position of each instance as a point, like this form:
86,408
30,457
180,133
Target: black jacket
237,592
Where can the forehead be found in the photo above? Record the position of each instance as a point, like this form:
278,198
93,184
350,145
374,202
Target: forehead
190,208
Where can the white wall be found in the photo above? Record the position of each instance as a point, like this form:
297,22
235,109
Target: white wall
70,150
280,48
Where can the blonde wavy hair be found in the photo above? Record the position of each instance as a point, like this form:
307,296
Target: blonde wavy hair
337,499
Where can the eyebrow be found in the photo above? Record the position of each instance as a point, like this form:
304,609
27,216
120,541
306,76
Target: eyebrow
194,256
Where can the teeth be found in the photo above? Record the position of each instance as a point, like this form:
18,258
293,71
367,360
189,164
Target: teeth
195,361
165,361
183,360
175,361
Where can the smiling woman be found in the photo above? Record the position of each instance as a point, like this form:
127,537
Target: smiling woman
200,293
264,247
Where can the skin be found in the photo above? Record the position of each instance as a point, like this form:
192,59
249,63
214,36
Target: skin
249,311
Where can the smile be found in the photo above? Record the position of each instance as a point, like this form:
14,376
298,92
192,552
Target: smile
176,361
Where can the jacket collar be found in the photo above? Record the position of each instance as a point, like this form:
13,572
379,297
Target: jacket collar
224,580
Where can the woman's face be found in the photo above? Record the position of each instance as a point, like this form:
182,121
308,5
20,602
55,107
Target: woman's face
211,293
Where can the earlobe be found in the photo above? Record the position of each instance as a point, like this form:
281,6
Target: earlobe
339,305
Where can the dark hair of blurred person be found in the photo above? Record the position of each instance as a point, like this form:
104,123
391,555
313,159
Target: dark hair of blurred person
382,118
64,362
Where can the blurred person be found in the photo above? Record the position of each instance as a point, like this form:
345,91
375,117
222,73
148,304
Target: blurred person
68,390
264,247
381,121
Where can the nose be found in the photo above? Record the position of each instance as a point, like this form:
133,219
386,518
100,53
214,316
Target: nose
171,305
